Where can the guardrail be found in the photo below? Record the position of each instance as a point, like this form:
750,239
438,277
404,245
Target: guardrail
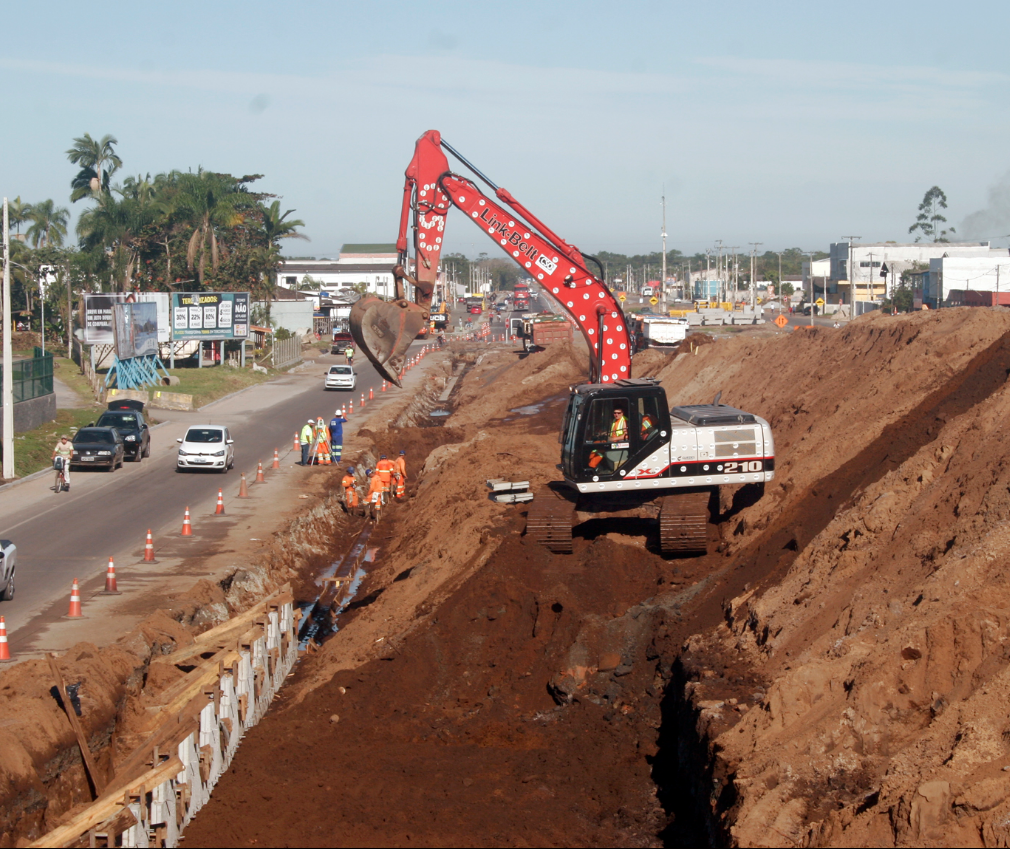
235,671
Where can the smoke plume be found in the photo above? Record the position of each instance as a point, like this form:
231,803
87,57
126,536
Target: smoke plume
993,222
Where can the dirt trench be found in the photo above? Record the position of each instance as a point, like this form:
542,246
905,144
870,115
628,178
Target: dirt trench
486,691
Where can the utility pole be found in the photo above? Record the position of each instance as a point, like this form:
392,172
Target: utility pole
8,360
810,256
850,273
718,268
753,272
662,284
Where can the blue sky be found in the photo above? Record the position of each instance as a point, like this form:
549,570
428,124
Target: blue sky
790,124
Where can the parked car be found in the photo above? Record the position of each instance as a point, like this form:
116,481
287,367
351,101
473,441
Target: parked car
206,447
340,377
98,446
125,417
8,563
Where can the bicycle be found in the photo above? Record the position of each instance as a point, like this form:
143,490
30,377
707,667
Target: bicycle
61,478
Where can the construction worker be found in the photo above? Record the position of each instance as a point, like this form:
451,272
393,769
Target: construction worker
374,493
321,449
384,469
618,435
350,491
305,440
337,435
648,427
400,475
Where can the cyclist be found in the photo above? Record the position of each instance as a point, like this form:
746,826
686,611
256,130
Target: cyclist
65,451
349,355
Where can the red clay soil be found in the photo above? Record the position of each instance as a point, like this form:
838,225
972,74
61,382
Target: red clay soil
834,671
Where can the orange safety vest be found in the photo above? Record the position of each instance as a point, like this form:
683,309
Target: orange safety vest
619,430
646,425
384,469
350,493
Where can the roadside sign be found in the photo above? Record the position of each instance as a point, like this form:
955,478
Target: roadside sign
654,301
622,297
781,321
819,302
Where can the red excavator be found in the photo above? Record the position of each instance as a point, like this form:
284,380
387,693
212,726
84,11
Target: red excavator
625,452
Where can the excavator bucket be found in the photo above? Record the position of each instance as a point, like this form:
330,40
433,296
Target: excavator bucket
384,331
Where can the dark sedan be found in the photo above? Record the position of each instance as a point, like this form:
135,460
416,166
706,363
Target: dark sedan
98,446
134,430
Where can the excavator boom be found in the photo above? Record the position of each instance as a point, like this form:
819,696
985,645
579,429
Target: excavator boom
385,329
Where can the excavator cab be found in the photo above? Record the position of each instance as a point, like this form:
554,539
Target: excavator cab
610,428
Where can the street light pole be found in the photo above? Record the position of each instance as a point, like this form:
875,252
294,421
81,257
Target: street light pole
850,273
8,357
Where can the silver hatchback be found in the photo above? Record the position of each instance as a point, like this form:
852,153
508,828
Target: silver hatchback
206,447
340,377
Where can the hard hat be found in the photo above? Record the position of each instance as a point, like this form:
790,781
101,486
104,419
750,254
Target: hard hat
312,421
350,470
383,457
403,452
368,472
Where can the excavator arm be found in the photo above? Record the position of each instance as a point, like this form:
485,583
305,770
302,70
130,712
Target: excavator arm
385,329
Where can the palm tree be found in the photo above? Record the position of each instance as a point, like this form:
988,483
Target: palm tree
49,224
98,162
114,227
210,202
17,214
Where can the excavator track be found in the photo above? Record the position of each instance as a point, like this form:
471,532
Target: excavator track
549,521
683,521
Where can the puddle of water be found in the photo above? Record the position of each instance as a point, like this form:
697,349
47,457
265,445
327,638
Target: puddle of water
531,410
440,413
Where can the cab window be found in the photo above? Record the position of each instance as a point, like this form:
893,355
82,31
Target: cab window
607,436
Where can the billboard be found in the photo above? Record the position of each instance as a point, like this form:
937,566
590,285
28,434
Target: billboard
210,315
135,330
97,316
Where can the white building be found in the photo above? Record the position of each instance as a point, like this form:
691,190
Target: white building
869,260
368,264
969,281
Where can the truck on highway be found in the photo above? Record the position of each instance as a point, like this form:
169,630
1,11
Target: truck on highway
521,296
658,331
542,329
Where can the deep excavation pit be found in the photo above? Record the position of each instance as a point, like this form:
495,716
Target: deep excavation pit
831,672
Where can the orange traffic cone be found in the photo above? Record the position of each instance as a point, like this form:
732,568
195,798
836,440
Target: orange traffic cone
110,581
75,602
362,400
149,549
5,652
259,473
350,408
371,395
220,503
295,446
277,460
187,526
243,489
383,386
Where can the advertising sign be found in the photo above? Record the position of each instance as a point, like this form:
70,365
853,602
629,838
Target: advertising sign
135,330
210,315
97,315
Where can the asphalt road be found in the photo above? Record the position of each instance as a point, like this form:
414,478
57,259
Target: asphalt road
72,535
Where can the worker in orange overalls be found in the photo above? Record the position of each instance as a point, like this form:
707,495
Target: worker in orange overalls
384,469
350,492
400,475
374,493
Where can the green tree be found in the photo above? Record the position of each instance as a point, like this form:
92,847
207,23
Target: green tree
17,214
930,221
98,161
49,224
211,204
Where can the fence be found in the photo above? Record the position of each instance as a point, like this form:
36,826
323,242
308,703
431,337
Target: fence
33,377
235,671
286,352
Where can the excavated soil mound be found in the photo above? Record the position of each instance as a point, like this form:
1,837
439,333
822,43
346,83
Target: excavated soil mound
832,671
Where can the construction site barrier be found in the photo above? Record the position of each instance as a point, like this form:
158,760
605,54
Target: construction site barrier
162,785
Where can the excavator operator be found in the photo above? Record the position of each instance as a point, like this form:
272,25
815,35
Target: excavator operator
618,435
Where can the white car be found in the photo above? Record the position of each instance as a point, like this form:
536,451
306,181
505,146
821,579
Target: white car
206,447
340,377
8,563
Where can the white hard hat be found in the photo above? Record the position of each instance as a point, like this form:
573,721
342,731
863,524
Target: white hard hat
312,421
